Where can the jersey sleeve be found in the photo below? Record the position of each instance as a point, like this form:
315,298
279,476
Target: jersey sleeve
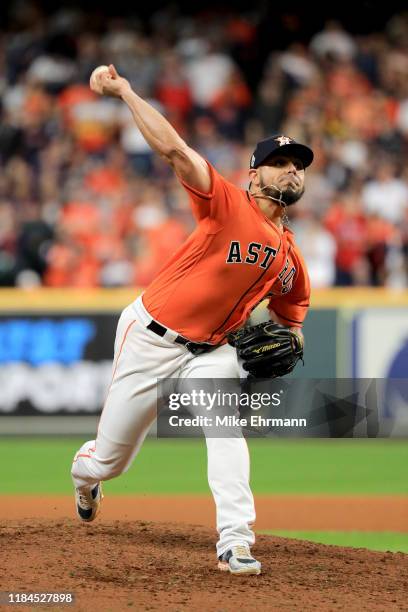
292,307
218,203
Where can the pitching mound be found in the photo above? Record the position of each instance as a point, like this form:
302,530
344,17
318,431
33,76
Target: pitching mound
162,566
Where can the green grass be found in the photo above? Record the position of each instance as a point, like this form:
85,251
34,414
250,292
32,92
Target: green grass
384,541
375,466
365,466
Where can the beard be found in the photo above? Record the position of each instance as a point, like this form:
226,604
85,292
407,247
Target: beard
288,196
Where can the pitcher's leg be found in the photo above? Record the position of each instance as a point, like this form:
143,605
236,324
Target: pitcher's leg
140,359
228,457
127,416
228,477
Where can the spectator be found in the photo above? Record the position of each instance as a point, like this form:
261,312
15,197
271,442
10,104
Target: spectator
319,250
346,222
8,245
173,89
297,66
386,195
379,234
333,42
32,240
84,203
207,73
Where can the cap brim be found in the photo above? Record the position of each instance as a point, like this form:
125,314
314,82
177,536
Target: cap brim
297,150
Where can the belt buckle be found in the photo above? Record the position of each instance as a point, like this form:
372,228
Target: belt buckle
197,348
192,347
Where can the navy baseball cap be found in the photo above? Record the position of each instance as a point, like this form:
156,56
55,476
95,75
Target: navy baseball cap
280,144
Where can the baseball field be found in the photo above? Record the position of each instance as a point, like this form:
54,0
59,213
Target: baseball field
332,527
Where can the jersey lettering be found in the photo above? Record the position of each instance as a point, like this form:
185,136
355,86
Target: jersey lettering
253,254
283,271
270,252
289,276
287,282
240,261
234,255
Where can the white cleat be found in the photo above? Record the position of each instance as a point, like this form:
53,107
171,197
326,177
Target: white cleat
238,560
88,502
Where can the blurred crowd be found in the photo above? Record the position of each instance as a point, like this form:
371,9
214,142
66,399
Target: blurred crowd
85,203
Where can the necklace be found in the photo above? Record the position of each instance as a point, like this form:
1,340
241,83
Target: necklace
285,218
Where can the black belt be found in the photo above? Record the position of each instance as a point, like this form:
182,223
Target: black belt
194,347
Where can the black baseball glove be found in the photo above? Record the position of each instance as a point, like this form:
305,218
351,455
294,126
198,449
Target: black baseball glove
268,350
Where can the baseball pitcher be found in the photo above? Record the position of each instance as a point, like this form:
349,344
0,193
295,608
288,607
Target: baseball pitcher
189,323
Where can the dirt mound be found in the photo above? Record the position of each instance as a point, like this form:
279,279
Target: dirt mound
302,512
141,565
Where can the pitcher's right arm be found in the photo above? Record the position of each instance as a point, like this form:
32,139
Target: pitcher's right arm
158,132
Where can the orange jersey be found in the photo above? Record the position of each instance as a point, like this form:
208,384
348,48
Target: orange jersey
235,258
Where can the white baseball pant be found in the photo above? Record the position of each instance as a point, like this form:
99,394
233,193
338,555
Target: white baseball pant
140,358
